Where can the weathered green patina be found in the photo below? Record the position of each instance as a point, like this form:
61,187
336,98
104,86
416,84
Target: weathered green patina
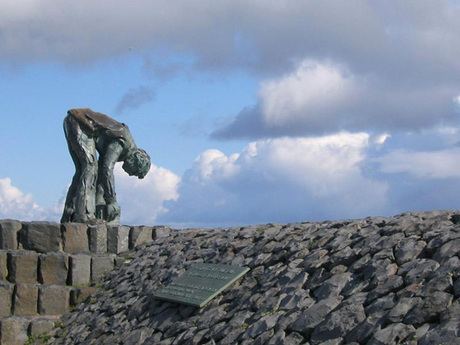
91,197
200,284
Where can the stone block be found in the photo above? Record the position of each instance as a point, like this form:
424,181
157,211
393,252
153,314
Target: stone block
53,268
9,233
98,238
43,237
118,261
40,326
75,238
81,294
13,331
6,299
140,235
53,300
160,232
25,299
22,267
117,239
3,265
80,269
100,266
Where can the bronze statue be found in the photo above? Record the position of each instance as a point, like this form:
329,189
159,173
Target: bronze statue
91,197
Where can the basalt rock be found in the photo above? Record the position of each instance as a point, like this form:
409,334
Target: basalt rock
371,281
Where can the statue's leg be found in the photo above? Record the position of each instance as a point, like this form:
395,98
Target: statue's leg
82,192
69,206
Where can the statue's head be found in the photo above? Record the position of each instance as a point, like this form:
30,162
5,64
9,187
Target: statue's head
137,163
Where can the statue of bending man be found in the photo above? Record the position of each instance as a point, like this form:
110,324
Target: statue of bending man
91,197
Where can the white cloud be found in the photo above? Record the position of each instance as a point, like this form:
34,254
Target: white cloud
395,64
279,180
17,205
442,164
141,200
323,97
313,90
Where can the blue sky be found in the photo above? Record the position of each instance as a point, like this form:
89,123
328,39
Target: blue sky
252,111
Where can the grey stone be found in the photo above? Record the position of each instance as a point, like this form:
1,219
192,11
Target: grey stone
6,299
53,300
294,339
40,326
160,232
453,312
448,332
140,235
441,283
97,238
338,323
297,299
402,307
393,334
384,303
100,266
81,294
333,286
25,299
429,309
22,267
13,331
392,283
336,341
278,338
457,288
447,250
311,317
118,239
53,269
3,264
263,325
80,269
9,234
356,284
448,268
75,238
409,250
279,292
365,329
42,237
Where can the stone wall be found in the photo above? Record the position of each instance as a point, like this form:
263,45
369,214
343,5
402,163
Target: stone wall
46,269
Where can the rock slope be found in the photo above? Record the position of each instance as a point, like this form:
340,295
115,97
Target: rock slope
370,281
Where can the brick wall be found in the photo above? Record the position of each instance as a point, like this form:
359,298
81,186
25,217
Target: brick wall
47,268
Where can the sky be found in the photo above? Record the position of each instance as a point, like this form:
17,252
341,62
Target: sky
253,112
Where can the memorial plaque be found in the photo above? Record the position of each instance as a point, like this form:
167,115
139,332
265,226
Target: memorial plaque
200,284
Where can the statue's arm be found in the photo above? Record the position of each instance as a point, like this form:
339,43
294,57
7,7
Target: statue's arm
107,161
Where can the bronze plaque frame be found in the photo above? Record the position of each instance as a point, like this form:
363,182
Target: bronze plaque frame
200,284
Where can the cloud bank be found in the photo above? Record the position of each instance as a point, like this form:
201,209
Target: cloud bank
279,180
345,117
323,97
142,200
17,205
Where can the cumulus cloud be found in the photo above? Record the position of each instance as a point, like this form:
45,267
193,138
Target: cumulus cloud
279,180
17,205
404,40
325,97
134,98
142,200
442,164
395,64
